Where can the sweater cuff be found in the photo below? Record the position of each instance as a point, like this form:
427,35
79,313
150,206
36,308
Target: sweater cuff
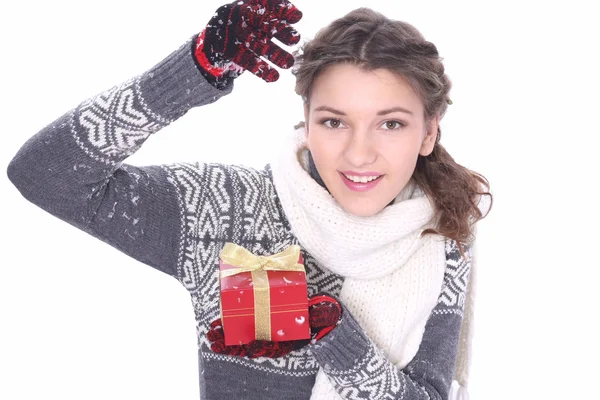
341,348
175,85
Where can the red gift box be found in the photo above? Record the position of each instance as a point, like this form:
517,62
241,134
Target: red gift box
263,298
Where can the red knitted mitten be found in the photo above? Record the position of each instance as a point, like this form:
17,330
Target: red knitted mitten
324,314
240,33
256,348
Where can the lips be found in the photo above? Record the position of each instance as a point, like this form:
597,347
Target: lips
361,186
368,173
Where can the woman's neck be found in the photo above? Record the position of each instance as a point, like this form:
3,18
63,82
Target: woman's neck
312,171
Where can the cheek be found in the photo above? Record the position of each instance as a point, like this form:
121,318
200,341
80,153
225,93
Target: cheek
405,165
323,149
401,156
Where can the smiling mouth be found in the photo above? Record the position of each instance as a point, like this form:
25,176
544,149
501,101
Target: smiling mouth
360,186
361,179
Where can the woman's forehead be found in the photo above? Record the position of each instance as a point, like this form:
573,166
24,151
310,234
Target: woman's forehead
349,88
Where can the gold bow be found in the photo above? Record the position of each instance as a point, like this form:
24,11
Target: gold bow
245,261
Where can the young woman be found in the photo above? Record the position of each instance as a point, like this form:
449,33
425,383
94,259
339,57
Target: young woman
383,215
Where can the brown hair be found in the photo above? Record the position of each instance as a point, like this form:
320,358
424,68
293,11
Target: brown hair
370,40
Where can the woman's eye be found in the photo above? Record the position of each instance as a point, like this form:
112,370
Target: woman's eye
392,125
332,123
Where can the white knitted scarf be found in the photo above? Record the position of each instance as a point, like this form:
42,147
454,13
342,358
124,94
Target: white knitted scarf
392,275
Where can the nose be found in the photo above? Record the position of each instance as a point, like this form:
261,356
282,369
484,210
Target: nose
360,148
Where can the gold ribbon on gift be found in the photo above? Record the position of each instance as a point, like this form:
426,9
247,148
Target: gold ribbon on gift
245,261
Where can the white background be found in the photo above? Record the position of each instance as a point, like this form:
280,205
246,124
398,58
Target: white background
80,320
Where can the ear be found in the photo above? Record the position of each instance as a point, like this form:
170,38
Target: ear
430,137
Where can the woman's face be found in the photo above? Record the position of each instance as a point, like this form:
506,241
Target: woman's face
365,130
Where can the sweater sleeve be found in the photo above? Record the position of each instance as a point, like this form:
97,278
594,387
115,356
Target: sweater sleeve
73,168
359,370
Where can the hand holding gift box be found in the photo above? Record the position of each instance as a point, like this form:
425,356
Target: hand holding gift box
263,297
325,313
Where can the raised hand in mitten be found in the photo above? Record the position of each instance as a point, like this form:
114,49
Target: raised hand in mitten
240,33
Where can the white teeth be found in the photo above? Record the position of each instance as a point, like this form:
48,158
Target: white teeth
361,179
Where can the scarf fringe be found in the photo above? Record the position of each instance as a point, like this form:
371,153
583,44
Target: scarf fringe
458,392
463,360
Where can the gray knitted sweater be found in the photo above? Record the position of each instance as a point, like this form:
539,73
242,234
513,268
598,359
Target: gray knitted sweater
177,217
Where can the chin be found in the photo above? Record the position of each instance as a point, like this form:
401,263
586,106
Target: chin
361,209
365,204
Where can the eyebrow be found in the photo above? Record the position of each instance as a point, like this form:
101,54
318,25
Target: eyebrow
382,112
